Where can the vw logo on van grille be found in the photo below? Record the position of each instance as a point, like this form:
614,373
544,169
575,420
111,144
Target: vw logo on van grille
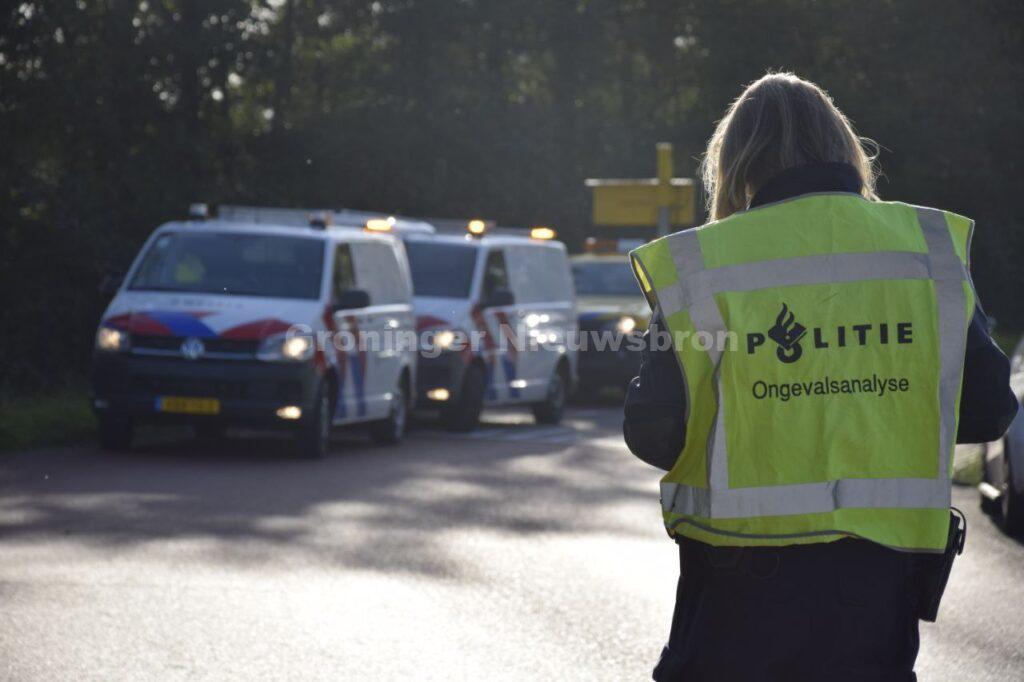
192,348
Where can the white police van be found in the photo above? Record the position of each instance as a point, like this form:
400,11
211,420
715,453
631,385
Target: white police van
256,318
496,313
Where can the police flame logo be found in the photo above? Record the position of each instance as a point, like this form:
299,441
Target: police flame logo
787,332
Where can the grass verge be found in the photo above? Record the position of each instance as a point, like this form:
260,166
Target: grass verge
56,419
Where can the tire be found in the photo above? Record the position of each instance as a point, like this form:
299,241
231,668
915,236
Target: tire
313,438
464,414
551,409
391,430
115,433
1011,502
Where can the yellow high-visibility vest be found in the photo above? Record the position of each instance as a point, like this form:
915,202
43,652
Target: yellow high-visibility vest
822,342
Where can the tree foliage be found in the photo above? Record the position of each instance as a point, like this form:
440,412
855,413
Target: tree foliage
114,115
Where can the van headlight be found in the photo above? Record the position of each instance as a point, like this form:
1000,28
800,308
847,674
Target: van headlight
112,340
444,339
440,340
285,348
625,325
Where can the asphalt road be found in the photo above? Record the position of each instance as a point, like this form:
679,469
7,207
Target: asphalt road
514,553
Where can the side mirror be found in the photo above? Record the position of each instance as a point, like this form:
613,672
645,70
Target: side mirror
352,299
499,298
111,282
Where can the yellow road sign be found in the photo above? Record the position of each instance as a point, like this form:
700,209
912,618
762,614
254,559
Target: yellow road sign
661,202
635,203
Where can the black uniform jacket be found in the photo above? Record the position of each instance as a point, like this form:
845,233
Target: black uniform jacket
655,400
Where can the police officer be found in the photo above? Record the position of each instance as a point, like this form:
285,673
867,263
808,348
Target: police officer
815,355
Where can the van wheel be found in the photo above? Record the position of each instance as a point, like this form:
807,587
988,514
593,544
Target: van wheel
464,415
1011,502
391,430
313,438
551,409
115,433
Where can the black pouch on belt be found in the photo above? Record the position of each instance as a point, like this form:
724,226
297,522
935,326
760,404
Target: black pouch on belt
932,570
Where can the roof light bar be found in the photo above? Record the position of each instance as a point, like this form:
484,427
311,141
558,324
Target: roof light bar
476,227
198,211
380,224
606,245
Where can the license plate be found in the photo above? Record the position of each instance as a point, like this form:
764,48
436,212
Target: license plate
180,405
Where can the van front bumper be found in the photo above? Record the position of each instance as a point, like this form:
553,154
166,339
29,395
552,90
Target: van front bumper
434,375
249,393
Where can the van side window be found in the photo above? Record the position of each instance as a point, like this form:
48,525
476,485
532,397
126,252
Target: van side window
526,272
495,274
394,287
551,275
539,274
379,272
344,274
399,284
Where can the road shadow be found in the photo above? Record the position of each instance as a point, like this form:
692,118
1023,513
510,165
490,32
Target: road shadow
363,507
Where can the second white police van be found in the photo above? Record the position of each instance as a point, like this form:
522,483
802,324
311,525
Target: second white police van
497,313
255,319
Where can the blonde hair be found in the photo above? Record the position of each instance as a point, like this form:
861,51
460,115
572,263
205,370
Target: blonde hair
779,121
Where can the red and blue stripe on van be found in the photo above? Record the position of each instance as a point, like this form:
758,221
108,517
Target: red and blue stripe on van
191,323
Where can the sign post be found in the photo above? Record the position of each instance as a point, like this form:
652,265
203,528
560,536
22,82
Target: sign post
664,150
659,202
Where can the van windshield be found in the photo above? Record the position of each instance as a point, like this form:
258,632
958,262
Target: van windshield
439,269
232,264
604,278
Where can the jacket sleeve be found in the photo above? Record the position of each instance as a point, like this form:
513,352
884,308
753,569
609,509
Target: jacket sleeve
655,412
987,405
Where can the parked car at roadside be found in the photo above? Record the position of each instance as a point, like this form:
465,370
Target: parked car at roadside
1002,484
610,304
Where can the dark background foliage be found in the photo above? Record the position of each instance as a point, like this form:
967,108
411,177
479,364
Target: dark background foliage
115,115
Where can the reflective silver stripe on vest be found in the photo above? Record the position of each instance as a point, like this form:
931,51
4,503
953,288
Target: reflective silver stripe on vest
825,269
949,274
685,250
705,316
808,498
695,292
